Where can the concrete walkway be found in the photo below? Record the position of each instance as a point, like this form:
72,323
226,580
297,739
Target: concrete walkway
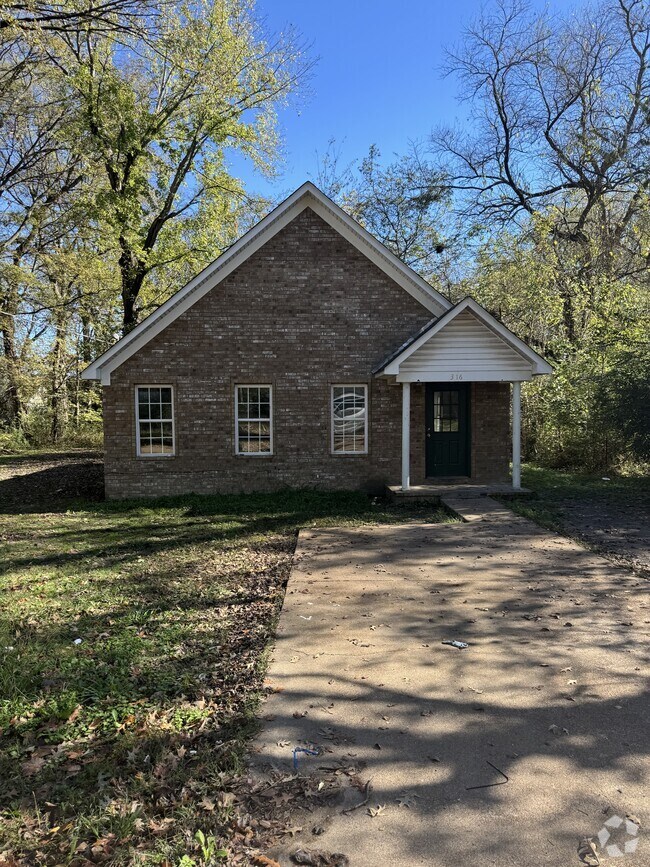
550,691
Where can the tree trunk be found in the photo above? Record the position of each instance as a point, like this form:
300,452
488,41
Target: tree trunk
133,271
568,315
58,395
13,408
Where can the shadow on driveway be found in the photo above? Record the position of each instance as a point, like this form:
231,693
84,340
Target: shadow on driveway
551,691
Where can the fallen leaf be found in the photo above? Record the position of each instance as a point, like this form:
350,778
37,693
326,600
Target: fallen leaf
162,827
587,853
407,800
32,766
263,861
225,799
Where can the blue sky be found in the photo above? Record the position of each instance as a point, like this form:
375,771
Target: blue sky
378,80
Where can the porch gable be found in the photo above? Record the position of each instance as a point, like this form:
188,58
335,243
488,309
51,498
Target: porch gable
465,344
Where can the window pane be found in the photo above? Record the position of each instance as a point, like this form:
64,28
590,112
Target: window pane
349,418
254,419
446,411
155,412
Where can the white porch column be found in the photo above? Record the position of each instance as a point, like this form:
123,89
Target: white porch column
406,435
516,436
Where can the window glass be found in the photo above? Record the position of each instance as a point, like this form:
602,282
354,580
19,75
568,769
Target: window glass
349,419
445,411
254,426
155,428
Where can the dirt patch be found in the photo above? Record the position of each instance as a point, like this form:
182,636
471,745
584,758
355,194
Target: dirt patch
49,481
619,531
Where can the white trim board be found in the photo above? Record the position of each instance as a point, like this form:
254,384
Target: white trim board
539,365
138,445
306,196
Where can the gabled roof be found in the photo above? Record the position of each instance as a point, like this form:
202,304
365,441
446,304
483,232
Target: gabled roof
391,364
306,196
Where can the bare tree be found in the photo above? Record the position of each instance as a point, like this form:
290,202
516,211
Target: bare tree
404,203
560,114
129,16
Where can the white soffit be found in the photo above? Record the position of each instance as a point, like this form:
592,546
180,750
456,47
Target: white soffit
306,196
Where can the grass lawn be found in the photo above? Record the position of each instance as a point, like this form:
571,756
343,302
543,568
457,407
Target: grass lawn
133,644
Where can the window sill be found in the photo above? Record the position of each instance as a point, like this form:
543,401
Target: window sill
254,455
349,454
154,457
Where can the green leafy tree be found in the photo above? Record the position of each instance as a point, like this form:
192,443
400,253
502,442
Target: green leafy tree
116,121
623,395
156,121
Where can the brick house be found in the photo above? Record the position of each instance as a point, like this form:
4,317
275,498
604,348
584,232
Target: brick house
308,355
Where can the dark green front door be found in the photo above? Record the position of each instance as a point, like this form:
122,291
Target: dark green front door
448,434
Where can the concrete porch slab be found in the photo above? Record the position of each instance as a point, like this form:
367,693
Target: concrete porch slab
461,489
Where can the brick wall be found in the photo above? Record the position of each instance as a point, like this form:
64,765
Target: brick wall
306,311
491,435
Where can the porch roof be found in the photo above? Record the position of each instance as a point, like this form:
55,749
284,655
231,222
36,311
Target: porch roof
465,344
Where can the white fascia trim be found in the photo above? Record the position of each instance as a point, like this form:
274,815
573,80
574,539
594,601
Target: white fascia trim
539,364
305,196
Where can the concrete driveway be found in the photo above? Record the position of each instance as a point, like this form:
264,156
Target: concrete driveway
551,691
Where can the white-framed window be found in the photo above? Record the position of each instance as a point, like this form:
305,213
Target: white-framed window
154,421
349,419
254,419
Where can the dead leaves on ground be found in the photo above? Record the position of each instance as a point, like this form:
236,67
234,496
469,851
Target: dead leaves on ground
161,753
